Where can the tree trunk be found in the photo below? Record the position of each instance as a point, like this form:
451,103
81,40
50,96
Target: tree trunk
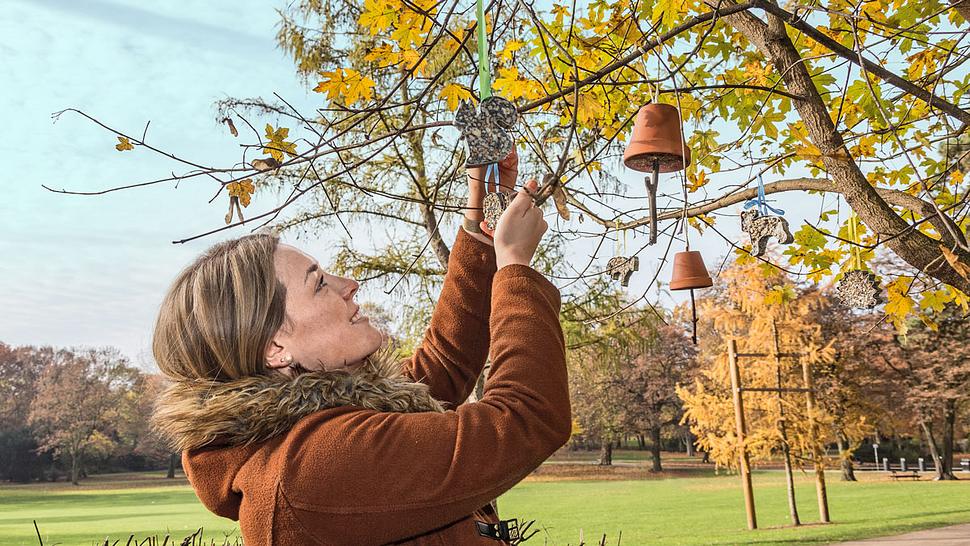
706,458
75,468
606,451
172,460
655,449
689,442
949,417
845,456
641,442
934,451
914,247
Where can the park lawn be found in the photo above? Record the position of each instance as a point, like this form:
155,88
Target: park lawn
679,510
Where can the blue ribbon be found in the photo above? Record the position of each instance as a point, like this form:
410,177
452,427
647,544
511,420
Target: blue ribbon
493,168
761,202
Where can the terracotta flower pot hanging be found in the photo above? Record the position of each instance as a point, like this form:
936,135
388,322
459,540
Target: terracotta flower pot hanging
656,146
689,271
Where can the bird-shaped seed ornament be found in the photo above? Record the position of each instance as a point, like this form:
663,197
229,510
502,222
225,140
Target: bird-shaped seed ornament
486,130
622,268
761,228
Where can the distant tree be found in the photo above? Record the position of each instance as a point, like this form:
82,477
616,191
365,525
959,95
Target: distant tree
76,406
20,369
665,361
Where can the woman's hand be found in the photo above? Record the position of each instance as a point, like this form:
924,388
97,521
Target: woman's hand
508,170
519,230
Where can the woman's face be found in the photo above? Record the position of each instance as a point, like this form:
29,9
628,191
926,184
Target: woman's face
323,330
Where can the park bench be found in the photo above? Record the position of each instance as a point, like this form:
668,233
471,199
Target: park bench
898,474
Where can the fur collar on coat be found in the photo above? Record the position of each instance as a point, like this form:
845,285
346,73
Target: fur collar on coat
196,413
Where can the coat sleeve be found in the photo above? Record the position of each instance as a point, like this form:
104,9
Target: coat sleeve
455,346
363,477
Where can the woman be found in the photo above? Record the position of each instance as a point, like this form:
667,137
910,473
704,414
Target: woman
291,422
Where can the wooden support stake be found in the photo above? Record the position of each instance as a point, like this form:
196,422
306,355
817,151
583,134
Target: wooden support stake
823,501
783,430
742,432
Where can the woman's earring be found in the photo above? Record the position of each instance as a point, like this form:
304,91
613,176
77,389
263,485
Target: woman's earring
287,360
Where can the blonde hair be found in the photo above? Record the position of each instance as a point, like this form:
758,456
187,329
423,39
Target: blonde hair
221,312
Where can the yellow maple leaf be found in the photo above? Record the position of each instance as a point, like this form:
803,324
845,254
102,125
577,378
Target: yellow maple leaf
510,48
696,181
346,84
512,86
453,94
278,144
243,189
124,144
378,15
898,302
956,177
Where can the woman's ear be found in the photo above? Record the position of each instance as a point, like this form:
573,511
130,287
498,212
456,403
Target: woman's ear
277,357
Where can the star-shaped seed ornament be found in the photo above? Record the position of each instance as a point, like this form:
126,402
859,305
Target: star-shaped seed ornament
486,130
859,289
621,268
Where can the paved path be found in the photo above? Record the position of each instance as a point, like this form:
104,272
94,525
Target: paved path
955,535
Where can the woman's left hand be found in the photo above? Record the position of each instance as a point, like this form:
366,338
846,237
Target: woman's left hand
508,170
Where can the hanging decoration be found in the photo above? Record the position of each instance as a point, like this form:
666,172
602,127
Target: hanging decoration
620,267
761,226
486,131
859,287
657,146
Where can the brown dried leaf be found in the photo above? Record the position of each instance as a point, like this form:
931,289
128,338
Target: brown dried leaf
559,197
961,268
265,163
232,127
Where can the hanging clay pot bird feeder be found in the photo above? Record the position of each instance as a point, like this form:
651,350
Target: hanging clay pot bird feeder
657,146
690,273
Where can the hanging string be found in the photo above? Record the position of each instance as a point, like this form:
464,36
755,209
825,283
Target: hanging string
484,70
761,202
616,242
854,235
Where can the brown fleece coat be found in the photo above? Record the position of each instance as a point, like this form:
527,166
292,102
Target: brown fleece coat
370,457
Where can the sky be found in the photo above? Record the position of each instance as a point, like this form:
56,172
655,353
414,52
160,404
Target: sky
92,270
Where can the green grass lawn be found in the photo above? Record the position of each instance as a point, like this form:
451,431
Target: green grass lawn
701,510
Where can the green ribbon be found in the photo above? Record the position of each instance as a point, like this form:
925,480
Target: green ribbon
854,234
484,72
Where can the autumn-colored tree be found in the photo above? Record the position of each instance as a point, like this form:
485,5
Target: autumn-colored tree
20,370
665,360
849,389
930,366
766,314
75,406
779,91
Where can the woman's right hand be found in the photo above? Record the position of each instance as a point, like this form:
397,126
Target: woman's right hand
519,229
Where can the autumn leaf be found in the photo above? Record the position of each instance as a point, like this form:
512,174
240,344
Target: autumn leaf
697,181
961,268
898,302
378,15
453,94
278,144
232,127
243,190
265,164
512,86
346,84
123,144
559,198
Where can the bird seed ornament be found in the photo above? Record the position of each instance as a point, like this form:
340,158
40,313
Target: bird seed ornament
486,130
494,205
761,228
621,268
859,289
